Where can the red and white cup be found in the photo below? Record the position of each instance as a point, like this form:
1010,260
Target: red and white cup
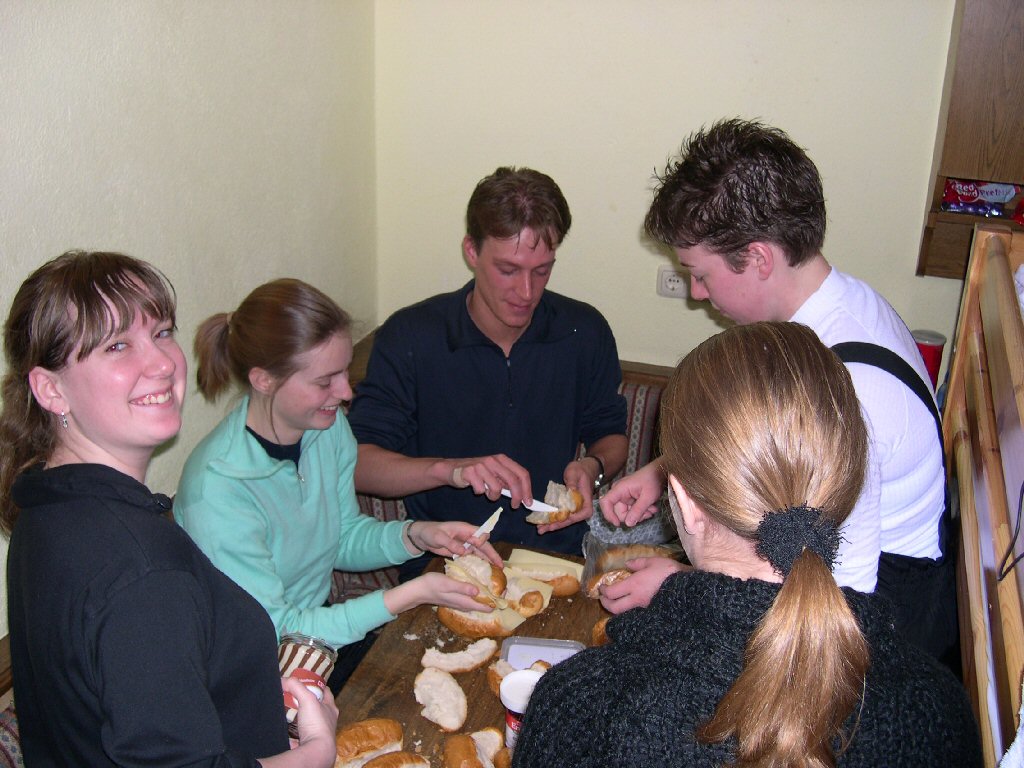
930,344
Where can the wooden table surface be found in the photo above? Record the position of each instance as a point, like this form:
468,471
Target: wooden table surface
382,684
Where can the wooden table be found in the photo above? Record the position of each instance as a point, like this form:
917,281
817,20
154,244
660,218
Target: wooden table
382,684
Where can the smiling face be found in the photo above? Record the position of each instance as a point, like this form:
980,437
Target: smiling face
511,275
122,400
310,397
737,295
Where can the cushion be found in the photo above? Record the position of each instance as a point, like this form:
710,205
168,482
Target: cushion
10,747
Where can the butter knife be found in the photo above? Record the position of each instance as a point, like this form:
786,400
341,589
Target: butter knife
487,527
536,506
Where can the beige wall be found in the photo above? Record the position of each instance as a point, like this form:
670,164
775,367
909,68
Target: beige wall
599,93
227,142
230,142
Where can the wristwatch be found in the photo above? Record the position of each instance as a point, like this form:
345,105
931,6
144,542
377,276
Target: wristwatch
599,480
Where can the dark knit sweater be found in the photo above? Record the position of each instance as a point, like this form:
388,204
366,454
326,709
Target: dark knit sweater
128,646
638,700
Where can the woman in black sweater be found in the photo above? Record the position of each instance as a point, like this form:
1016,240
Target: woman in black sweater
127,646
756,657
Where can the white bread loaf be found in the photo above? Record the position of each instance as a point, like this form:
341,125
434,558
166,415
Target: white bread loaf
487,578
475,655
443,700
399,760
566,500
359,742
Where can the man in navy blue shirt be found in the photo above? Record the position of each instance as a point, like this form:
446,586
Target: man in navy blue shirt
494,385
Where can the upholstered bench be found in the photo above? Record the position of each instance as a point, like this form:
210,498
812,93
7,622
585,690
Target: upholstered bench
642,386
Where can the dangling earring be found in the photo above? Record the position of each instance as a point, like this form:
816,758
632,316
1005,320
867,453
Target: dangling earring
63,420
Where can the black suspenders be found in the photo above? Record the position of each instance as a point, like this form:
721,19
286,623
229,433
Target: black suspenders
890,362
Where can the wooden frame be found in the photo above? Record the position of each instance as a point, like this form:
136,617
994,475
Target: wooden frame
984,440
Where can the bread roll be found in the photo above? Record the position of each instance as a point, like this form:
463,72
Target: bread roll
460,752
476,750
487,578
598,580
503,759
599,634
488,742
364,740
566,500
399,760
474,624
443,700
496,673
563,575
475,655
617,557
525,595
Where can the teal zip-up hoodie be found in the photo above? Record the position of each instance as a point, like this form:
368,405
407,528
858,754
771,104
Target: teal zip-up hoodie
278,531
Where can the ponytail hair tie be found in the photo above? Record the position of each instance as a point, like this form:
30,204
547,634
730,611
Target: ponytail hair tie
784,534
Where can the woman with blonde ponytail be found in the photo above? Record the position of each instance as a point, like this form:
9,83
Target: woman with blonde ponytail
755,657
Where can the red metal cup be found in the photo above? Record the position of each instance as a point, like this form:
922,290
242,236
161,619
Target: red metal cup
930,343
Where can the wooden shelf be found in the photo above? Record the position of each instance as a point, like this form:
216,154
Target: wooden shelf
980,136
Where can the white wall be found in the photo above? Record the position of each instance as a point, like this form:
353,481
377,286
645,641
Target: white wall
227,142
599,93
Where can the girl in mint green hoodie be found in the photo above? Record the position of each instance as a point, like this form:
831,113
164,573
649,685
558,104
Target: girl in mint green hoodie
269,496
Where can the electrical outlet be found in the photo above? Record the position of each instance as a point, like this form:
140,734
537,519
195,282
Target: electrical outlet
671,282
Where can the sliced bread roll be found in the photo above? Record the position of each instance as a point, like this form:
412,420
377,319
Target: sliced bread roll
360,742
599,633
563,575
526,595
475,655
617,557
399,760
488,741
496,673
598,580
566,500
443,699
487,578
474,624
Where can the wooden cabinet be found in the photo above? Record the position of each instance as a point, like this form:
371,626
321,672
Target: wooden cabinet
981,135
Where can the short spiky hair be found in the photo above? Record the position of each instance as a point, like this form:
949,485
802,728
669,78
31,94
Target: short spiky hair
736,183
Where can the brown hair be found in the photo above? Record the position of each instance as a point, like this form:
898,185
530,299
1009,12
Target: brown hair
68,304
272,326
756,419
513,199
736,183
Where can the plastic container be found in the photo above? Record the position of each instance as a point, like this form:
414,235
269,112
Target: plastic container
516,689
521,652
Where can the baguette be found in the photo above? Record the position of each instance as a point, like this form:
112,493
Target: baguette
359,742
475,655
566,500
443,700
